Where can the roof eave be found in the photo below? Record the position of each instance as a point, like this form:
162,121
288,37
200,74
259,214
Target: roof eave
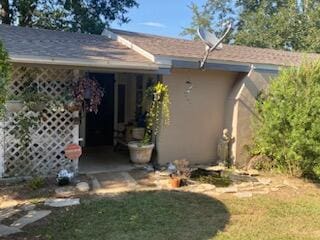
75,62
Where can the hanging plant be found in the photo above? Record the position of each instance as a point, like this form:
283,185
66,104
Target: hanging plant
88,94
159,112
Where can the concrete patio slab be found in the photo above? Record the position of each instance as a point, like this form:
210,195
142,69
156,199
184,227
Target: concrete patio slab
62,202
8,212
31,217
5,230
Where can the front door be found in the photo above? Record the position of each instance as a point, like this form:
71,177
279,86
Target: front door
99,127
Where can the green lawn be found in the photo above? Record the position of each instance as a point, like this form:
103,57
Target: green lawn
174,215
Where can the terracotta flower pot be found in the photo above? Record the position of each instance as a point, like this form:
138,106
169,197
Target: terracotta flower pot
175,182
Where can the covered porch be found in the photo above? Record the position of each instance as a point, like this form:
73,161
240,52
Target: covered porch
104,135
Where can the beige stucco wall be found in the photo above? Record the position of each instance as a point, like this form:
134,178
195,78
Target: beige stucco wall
240,112
197,121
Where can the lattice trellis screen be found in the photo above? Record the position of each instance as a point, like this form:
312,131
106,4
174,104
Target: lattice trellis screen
45,154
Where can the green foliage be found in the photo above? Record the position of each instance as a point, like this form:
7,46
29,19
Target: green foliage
287,129
74,15
36,183
279,24
159,112
5,71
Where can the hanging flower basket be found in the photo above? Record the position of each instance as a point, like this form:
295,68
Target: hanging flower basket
14,106
88,93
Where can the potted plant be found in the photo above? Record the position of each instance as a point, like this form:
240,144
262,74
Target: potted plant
14,104
157,97
181,174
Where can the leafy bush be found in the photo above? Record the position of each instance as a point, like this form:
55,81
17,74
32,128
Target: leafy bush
5,70
36,183
287,128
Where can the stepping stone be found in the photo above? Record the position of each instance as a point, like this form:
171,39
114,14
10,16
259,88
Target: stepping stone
7,212
5,230
65,192
83,187
253,172
243,194
60,202
28,207
227,189
129,179
31,217
265,181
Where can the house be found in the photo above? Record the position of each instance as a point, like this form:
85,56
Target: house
203,103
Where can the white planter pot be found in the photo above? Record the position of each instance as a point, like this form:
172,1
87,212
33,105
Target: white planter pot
14,106
140,154
138,133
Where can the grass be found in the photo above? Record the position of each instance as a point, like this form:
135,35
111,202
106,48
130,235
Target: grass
285,214
144,215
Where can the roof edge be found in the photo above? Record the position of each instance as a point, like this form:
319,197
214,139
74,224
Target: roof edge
81,62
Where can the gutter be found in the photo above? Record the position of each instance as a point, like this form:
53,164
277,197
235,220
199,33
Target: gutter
83,62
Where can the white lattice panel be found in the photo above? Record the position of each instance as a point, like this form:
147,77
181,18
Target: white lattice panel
45,154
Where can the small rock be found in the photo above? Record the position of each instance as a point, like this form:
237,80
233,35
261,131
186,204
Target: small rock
265,181
216,168
227,189
83,187
5,230
31,217
58,202
243,194
253,172
65,192
274,189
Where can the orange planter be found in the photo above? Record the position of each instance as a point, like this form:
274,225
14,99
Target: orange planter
175,182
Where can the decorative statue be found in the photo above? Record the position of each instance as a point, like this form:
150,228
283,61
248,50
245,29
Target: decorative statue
223,148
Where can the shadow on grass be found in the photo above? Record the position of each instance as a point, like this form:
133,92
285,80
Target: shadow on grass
138,215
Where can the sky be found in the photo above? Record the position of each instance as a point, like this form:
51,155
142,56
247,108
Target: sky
161,17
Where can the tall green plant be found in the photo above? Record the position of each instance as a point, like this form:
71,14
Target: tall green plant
159,112
288,127
5,72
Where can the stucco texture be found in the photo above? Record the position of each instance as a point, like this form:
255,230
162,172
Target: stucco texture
241,111
197,118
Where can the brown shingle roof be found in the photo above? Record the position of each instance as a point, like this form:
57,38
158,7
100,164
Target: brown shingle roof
57,44
180,48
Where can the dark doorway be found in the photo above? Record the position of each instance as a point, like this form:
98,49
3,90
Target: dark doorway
99,127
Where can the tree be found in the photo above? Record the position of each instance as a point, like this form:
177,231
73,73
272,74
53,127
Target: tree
279,24
88,16
287,128
211,16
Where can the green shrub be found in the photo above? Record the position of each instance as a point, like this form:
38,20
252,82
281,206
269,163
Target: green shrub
36,183
5,71
287,128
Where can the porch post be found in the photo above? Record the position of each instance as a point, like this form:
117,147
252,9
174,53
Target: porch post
76,128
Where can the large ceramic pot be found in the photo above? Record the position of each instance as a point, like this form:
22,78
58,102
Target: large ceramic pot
14,106
140,154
